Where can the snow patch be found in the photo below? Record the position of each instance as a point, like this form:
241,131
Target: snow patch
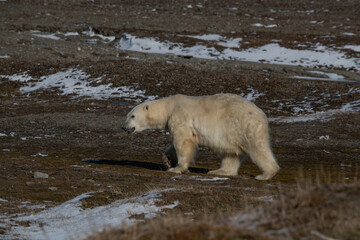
40,155
265,26
349,34
324,116
19,77
46,35
91,33
69,34
61,36
214,179
69,220
272,53
252,95
355,48
333,77
77,83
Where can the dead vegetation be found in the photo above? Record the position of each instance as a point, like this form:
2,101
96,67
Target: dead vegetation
320,211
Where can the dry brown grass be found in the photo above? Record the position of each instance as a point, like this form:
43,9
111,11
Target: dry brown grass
322,211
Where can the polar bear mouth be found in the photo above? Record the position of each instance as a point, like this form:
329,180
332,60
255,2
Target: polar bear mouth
128,130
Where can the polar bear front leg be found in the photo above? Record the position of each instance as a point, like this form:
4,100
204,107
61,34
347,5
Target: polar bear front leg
185,149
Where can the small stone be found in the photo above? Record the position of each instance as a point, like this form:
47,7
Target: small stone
53,188
40,175
29,183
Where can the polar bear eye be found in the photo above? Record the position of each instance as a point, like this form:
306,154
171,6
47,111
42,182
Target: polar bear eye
147,107
132,116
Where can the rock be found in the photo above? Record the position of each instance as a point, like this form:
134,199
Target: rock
29,183
40,175
53,188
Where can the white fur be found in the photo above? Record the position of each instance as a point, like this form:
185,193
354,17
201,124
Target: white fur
226,123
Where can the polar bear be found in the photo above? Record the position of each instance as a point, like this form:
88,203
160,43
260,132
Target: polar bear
226,123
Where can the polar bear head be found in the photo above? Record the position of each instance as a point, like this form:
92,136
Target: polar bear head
136,119
148,115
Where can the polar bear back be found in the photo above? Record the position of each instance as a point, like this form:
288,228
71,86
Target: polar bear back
225,122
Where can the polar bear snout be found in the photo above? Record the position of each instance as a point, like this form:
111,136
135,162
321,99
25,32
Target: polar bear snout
129,130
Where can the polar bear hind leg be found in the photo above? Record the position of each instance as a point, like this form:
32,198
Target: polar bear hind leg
229,166
265,160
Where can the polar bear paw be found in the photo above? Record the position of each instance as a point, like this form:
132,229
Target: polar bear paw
178,170
265,176
223,172
262,177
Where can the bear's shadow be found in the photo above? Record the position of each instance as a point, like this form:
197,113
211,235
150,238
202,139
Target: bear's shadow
146,165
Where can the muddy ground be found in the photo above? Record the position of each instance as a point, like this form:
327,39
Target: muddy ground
79,143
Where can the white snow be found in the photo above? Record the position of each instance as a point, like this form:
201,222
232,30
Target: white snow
69,220
5,56
349,34
77,83
333,77
324,116
355,48
40,155
60,36
326,137
20,77
3,135
44,35
3,200
213,179
271,53
252,95
265,26
91,33
68,34
207,37
345,165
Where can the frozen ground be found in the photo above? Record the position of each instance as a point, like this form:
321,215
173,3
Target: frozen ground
70,220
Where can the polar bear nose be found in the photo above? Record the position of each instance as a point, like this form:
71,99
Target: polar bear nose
128,130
